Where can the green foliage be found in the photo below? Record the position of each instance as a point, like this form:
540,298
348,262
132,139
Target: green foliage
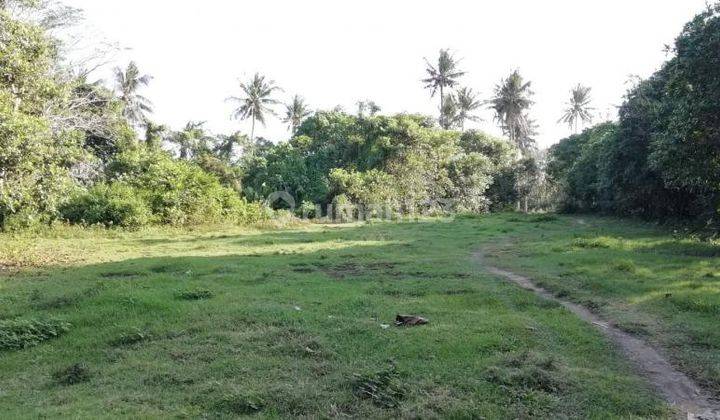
26,57
35,160
22,333
470,176
371,187
115,204
661,159
378,160
179,192
309,210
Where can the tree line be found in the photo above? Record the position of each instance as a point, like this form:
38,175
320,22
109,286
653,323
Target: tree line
79,151
661,159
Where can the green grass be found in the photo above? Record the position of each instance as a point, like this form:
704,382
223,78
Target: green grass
287,323
646,280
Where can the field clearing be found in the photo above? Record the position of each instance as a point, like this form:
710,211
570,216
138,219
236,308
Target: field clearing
298,322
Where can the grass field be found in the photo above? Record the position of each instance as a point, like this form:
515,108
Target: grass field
298,322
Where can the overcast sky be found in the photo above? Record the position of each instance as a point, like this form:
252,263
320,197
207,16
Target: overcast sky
338,52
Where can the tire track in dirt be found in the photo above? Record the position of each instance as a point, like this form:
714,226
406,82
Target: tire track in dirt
678,389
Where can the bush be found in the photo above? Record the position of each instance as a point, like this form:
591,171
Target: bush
23,333
309,210
115,204
180,192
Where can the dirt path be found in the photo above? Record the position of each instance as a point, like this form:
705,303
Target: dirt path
677,388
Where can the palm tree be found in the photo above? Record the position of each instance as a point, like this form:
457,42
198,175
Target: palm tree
511,103
442,76
578,108
466,102
449,112
256,101
371,107
226,145
127,83
295,112
154,134
191,139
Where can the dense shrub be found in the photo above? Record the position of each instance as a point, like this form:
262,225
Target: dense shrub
22,333
116,204
179,192
50,123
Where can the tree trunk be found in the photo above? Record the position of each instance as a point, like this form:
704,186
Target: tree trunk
252,130
442,106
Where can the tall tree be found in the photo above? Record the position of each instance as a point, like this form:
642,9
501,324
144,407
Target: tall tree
466,102
154,134
368,106
295,112
578,108
191,139
128,82
227,145
449,112
442,76
511,102
256,101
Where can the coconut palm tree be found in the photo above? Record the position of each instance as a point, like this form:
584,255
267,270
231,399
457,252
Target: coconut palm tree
578,108
226,146
511,103
127,84
256,101
154,134
449,112
191,139
295,112
466,102
442,76
371,107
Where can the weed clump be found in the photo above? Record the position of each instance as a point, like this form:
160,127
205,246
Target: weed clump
22,333
382,387
626,266
194,294
132,337
529,371
599,242
71,375
239,404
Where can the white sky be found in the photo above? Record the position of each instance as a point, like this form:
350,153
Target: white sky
338,52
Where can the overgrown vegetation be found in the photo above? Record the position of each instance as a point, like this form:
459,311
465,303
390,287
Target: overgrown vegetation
18,334
660,160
